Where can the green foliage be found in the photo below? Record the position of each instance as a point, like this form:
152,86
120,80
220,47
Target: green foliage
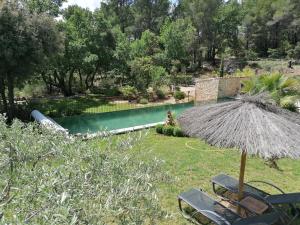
246,72
295,52
274,53
50,7
149,15
145,73
178,38
227,22
288,102
129,92
31,89
171,120
284,90
47,178
68,111
87,104
143,101
27,41
251,55
141,72
139,43
181,79
179,95
158,75
178,132
266,24
159,128
160,94
146,46
168,130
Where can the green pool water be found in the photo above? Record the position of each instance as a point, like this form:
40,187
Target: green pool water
92,123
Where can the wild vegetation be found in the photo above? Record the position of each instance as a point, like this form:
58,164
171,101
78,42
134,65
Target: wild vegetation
47,178
282,89
137,44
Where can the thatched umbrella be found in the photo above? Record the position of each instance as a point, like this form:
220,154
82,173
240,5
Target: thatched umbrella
252,124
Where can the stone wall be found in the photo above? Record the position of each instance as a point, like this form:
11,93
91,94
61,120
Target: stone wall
212,89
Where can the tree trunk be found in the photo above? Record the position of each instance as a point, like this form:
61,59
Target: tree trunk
87,82
70,82
11,103
3,96
61,84
213,56
80,80
63,88
92,80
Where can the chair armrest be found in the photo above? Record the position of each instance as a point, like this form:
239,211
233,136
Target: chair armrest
267,183
265,219
288,198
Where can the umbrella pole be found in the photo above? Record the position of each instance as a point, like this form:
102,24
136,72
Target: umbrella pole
241,179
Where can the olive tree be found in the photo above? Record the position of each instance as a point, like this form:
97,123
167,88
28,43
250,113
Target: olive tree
47,178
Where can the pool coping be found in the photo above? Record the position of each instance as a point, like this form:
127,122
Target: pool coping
119,131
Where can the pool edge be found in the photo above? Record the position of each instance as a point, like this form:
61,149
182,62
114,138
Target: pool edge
119,131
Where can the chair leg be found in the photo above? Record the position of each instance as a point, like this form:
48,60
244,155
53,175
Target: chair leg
179,204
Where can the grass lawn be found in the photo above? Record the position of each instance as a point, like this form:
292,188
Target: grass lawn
192,163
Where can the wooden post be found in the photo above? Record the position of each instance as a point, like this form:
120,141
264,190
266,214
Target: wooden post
241,179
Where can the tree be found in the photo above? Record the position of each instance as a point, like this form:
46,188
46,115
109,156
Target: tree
147,45
119,12
178,38
203,15
145,73
228,20
25,41
88,50
47,178
122,55
51,7
149,15
271,27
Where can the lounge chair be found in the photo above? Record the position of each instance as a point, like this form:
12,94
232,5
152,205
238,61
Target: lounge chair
231,184
217,213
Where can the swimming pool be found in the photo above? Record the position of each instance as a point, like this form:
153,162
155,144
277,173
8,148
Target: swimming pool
110,121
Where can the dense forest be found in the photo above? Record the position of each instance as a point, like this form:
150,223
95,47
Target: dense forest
135,44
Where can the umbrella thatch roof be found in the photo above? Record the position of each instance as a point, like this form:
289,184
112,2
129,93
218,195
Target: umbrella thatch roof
250,124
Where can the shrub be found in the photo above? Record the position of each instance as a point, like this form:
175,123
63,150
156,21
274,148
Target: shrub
143,101
160,94
57,180
129,92
274,53
34,89
251,55
150,94
168,130
178,132
246,72
294,52
181,79
179,95
159,128
170,119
